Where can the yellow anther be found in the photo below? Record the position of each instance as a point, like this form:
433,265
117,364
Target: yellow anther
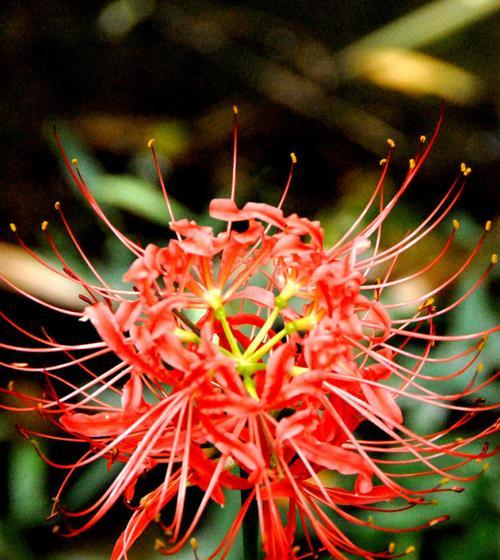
486,467
456,224
13,227
383,161
151,142
145,500
427,303
487,225
74,161
391,142
435,521
459,439
392,547
370,519
57,205
194,544
159,545
10,385
435,502
44,225
56,529
494,258
411,163
235,109
464,169
423,139
294,157
445,480
410,549
480,367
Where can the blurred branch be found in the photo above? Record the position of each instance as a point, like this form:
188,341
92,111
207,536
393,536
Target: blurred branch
302,74
417,29
416,73
207,32
29,275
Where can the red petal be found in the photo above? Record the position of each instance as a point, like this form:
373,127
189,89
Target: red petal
303,226
266,213
245,453
96,425
287,244
174,353
106,325
225,209
250,235
381,399
141,519
294,425
279,365
338,459
132,399
258,295
127,314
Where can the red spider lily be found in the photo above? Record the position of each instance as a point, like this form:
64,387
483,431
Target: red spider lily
249,361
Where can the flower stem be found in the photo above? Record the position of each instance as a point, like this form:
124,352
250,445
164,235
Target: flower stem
250,527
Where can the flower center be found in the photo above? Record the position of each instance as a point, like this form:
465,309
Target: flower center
250,360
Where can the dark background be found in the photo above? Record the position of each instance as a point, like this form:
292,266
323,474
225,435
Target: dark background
329,81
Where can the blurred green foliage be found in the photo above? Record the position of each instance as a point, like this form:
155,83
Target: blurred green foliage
327,80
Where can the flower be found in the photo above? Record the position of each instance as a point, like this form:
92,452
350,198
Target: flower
252,360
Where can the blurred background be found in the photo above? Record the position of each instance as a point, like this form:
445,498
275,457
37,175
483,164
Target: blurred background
330,81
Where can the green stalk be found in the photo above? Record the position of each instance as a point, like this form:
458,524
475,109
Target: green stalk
250,526
262,333
269,345
220,315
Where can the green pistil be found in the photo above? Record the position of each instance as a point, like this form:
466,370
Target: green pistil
220,315
263,332
247,369
298,370
280,302
214,300
269,345
249,385
248,363
302,324
187,336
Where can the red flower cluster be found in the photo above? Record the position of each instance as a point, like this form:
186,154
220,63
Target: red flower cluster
247,360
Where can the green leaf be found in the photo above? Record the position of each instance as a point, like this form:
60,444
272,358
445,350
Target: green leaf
138,197
28,492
